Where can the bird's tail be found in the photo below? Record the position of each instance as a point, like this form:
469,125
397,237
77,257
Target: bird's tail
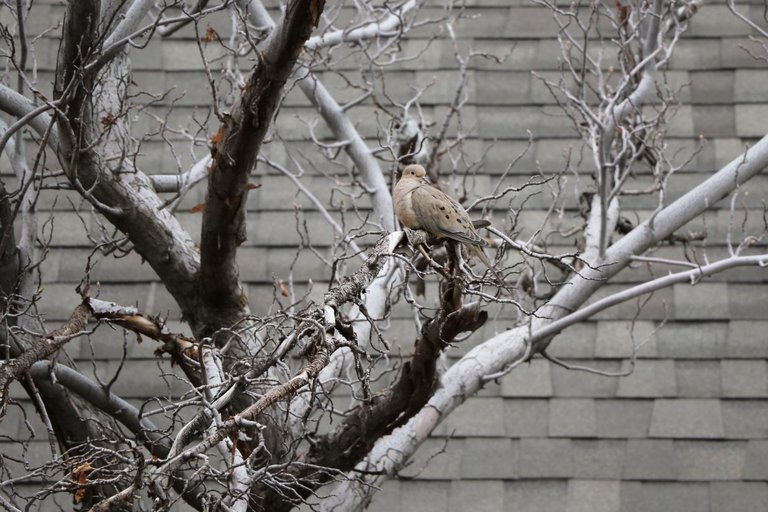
478,251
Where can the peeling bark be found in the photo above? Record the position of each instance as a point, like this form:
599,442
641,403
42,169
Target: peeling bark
14,368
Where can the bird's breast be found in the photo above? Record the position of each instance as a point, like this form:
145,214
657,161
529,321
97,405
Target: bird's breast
404,209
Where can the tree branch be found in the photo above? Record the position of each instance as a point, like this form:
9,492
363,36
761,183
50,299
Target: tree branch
126,200
19,106
157,443
234,151
164,183
466,376
339,124
691,276
387,26
12,369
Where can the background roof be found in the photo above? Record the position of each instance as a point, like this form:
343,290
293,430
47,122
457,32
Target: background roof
686,431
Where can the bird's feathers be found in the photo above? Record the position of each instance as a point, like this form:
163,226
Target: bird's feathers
441,215
419,205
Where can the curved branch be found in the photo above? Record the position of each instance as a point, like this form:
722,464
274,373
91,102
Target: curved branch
19,106
692,276
388,26
126,200
467,376
356,148
155,233
157,443
339,124
127,26
21,123
754,26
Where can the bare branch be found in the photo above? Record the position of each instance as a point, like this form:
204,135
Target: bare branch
387,26
155,233
166,183
17,105
341,126
15,368
465,377
234,151
108,402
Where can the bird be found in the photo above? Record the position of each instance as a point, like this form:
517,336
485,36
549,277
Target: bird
419,205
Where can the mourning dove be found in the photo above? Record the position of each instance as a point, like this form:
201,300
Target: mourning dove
419,205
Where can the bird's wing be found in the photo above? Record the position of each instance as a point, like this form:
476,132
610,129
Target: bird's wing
439,214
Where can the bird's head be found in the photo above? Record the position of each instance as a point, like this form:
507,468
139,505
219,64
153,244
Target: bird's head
414,171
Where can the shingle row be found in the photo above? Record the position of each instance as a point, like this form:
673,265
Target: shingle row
648,379
576,495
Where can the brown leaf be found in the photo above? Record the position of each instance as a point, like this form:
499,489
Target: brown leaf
80,475
216,139
211,34
108,120
252,186
284,291
197,208
79,495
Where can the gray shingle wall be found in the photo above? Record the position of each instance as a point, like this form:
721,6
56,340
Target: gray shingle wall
686,431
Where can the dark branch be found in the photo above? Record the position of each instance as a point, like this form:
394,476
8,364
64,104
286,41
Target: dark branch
234,150
145,431
107,401
348,444
354,437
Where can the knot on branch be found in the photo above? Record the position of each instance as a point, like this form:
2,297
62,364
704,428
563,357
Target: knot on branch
469,318
76,323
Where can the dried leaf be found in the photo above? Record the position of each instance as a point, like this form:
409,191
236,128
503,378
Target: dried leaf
80,475
79,495
198,208
284,291
108,120
211,34
216,139
252,186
